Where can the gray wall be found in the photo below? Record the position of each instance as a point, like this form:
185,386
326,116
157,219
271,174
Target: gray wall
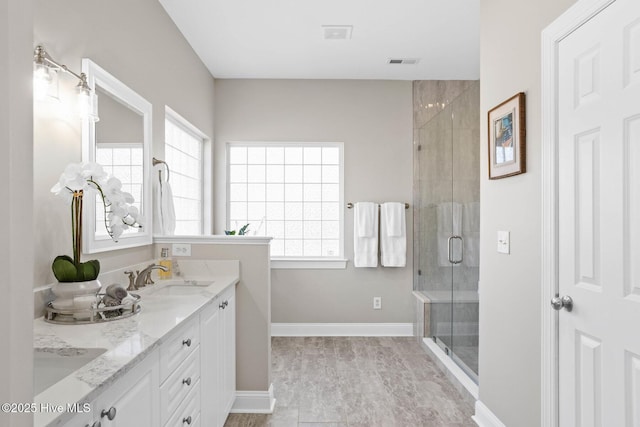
510,335
253,311
139,44
373,119
16,172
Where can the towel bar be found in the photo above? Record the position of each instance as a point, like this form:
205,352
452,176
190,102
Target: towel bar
350,205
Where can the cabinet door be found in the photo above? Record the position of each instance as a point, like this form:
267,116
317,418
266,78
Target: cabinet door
210,345
133,399
228,366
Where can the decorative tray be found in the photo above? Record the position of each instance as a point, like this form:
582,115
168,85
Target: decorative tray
83,316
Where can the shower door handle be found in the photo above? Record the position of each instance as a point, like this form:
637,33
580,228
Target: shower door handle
449,248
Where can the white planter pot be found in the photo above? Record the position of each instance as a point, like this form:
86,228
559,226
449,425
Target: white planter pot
66,291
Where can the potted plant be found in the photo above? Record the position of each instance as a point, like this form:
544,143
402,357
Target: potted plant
80,179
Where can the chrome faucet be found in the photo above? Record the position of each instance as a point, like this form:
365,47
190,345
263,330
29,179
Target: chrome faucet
145,275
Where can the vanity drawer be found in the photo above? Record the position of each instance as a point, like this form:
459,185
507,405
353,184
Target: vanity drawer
190,407
179,384
178,347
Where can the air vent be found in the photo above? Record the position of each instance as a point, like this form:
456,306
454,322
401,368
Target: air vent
337,32
404,61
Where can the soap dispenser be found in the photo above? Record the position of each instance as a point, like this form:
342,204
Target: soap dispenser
165,262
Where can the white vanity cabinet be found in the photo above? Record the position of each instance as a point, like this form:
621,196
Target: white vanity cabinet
132,400
180,376
218,359
189,381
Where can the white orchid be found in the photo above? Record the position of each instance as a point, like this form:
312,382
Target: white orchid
89,177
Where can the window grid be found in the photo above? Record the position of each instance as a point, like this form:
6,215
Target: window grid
184,155
289,192
124,161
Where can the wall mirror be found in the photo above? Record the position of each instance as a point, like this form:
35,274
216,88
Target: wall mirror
121,143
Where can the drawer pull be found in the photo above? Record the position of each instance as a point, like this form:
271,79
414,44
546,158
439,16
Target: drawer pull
187,381
187,420
187,342
221,306
110,413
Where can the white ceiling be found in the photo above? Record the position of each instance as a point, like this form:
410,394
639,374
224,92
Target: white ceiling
283,39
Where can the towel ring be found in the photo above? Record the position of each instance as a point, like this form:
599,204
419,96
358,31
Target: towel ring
155,162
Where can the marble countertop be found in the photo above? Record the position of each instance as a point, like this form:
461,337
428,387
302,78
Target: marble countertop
127,341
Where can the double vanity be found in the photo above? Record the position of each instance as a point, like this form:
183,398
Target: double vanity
173,364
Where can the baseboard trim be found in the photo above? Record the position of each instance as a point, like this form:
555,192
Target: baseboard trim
485,418
254,402
342,329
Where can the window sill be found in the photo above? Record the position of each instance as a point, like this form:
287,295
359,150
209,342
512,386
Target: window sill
308,263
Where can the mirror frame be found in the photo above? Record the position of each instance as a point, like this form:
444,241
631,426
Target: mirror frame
128,97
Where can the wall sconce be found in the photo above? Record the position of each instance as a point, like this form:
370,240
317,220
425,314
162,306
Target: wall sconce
45,71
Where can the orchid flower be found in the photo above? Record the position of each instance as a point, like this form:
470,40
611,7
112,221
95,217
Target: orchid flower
90,177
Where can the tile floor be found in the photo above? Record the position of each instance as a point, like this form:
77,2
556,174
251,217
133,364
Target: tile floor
354,381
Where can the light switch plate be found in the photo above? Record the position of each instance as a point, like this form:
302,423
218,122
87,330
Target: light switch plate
504,242
181,249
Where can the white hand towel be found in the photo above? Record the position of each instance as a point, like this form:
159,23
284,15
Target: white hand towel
365,248
168,210
364,215
449,217
394,213
393,235
165,214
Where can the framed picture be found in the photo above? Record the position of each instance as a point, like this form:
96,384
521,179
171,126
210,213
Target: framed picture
507,138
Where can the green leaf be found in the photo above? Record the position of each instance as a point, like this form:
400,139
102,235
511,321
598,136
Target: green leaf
65,271
88,270
243,230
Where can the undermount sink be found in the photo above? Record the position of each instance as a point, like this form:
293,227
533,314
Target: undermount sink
187,287
50,365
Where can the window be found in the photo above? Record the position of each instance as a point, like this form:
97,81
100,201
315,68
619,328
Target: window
125,162
184,153
291,192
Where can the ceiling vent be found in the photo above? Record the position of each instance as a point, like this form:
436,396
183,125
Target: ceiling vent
404,61
337,32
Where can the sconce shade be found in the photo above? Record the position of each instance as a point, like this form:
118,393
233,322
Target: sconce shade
41,81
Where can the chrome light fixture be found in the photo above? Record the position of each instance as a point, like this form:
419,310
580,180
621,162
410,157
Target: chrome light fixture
44,71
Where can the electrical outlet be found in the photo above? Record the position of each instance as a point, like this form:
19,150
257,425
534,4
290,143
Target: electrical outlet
377,303
181,249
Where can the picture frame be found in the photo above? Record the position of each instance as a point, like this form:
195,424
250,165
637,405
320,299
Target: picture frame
507,138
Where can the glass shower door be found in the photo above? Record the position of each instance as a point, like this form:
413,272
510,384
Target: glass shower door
466,195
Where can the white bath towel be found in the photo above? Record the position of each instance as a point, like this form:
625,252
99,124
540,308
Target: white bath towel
449,224
165,214
471,234
393,235
365,247
365,214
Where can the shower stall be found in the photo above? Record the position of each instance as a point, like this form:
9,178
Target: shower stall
447,217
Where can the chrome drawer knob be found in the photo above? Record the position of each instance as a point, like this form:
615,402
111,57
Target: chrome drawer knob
187,342
187,381
187,420
110,413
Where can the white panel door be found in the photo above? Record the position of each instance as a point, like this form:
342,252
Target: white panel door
599,219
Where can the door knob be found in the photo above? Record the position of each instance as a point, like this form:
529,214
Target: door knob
558,303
